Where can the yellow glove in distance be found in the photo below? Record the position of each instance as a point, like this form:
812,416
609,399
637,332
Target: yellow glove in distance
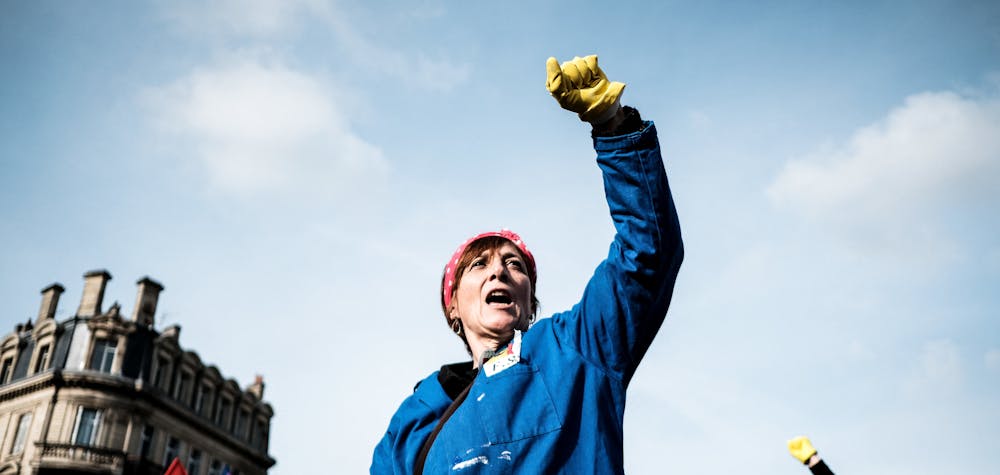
801,448
580,86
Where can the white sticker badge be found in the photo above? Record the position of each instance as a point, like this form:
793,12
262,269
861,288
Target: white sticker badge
505,359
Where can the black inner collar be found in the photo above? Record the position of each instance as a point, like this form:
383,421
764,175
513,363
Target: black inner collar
455,377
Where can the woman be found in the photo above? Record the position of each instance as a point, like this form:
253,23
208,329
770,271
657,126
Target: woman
549,398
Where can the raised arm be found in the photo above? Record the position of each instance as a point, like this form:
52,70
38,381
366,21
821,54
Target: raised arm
802,449
626,300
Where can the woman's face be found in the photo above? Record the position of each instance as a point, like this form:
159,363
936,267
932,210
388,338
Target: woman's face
494,294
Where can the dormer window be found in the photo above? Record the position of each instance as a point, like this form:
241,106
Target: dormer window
222,414
202,399
103,356
42,361
161,376
6,370
259,438
241,424
180,389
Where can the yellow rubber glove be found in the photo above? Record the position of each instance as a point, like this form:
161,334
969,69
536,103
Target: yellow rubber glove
801,448
580,86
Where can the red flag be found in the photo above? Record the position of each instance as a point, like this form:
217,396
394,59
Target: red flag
175,468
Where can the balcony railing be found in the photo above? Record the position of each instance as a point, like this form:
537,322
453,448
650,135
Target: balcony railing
71,454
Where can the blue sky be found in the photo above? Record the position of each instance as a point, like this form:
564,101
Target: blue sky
295,173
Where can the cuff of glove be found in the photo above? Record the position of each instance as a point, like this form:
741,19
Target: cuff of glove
604,117
809,458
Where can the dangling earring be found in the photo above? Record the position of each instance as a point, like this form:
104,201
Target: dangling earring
456,326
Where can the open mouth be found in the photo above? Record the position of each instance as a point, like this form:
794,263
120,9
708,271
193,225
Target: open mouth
501,297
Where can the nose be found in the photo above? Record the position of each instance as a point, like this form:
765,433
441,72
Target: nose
498,271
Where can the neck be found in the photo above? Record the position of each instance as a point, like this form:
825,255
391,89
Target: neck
484,346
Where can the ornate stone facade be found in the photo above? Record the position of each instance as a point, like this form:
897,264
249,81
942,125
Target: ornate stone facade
103,394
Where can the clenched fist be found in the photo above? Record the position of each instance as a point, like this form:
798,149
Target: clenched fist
580,86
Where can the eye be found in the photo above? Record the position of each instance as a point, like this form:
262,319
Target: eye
477,262
515,263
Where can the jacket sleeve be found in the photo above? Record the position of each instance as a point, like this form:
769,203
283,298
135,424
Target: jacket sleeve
409,428
626,300
820,469
382,458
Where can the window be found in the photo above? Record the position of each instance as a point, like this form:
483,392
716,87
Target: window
241,424
182,383
201,399
194,462
260,435
215,468
147,441
103,355
222,414
173,449
162,374
42,362
6,369
87,420
23,424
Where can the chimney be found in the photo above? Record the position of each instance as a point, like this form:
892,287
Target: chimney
257,388
173,331
50,300
145,302
93,292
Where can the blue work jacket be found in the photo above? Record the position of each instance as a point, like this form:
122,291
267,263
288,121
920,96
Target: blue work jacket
559,409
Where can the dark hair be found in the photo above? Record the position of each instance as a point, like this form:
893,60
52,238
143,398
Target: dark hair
473,250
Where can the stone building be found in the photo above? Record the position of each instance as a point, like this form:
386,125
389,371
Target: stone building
104,394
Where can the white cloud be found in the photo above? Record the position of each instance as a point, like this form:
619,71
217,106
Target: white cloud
413,68
235,17
265,127
267,19
897,179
